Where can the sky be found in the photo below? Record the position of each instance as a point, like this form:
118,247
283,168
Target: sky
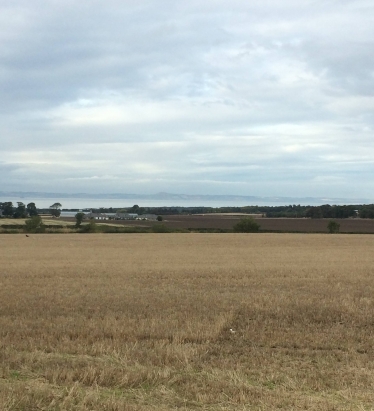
261,97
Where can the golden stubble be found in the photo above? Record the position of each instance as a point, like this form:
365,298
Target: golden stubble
142,321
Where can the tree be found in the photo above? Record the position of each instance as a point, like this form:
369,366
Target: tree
34,225
135,209
79,218
55,209
20,211
314,212
159,218
246,225
31,209
333,227
367,211
7,208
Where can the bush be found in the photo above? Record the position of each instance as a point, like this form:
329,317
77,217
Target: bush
159,218
333,227
34,225
91,227
160,228
246,225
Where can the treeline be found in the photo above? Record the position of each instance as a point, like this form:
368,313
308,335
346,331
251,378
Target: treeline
299,211
287,211
322,211
328,211
23,211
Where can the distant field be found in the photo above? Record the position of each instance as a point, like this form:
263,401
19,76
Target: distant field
222,221
227,221
20,221
54,224
142,322
47,220
217,221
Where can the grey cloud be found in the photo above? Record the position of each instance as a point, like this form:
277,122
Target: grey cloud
251,93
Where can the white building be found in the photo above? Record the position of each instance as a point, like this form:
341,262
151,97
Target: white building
126,216
151,217
97,216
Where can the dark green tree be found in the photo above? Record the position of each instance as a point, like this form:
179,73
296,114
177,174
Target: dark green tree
20,211
367,211
159,218
79,218
136,209
55,209
31,209
246,225
7,208
314,212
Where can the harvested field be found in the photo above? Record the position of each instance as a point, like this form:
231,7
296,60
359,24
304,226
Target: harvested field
21,221
305,225
227,221
142,322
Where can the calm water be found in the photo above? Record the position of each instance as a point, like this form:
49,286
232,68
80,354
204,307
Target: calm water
82,203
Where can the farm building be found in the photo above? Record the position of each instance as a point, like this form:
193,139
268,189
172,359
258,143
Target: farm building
97,216
126,216
151,217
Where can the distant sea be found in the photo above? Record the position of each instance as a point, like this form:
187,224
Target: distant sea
83,203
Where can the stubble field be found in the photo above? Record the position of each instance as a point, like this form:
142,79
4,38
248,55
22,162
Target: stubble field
142,322
227,221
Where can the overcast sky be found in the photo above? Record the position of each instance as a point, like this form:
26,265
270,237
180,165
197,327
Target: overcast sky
261,97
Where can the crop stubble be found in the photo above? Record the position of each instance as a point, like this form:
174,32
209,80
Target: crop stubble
141,321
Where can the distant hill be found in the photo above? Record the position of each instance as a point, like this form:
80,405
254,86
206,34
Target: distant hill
188,197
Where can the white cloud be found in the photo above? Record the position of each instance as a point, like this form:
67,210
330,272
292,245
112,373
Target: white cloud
260,97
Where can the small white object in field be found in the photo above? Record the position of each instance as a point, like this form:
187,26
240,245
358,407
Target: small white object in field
232,331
